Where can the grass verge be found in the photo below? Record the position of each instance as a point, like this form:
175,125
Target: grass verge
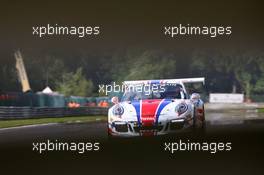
24,122
261,110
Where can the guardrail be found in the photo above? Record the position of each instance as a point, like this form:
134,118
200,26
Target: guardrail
234,106
40,112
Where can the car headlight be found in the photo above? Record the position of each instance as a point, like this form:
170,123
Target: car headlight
118,110
181,108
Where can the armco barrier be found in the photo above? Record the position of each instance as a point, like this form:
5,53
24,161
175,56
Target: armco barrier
41,112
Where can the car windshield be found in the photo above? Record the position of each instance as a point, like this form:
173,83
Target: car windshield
154,91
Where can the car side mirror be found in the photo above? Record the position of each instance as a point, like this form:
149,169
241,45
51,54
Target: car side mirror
115,100
195,96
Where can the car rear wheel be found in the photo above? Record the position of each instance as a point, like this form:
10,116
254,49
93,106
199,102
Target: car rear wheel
198,127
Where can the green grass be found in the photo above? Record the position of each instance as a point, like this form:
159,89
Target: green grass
261,110
23,122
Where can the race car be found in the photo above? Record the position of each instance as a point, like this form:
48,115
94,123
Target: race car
156,107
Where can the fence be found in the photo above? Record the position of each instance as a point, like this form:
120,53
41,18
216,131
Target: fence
47,100
40,112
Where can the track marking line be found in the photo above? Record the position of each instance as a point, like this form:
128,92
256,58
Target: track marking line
28,126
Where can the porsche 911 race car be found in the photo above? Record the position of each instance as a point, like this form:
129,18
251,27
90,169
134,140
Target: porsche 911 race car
156,107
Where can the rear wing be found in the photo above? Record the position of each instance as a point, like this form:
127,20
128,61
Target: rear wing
167,81
188,80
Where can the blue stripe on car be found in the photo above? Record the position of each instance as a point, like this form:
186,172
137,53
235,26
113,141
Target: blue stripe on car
164,103
137,108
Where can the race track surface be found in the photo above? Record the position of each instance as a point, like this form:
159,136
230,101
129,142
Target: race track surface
217,122
244,129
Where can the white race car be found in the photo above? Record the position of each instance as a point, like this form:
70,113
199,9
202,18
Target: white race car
156,107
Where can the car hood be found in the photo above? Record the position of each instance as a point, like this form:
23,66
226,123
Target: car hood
148,111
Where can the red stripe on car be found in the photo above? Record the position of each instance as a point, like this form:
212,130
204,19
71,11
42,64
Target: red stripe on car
148,111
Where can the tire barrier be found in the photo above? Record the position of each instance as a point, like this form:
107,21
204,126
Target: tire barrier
43,112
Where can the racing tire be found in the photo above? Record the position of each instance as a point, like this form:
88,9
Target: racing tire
199,130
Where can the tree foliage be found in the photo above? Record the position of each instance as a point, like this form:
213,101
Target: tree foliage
225,71
75,84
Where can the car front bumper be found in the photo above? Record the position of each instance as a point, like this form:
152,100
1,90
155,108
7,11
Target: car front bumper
132,128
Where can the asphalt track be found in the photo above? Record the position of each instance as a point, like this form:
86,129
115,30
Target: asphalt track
245,129
217,122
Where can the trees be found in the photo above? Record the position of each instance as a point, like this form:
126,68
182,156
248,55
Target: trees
151,65
45,71
225,71
231,71
136,65
75,84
